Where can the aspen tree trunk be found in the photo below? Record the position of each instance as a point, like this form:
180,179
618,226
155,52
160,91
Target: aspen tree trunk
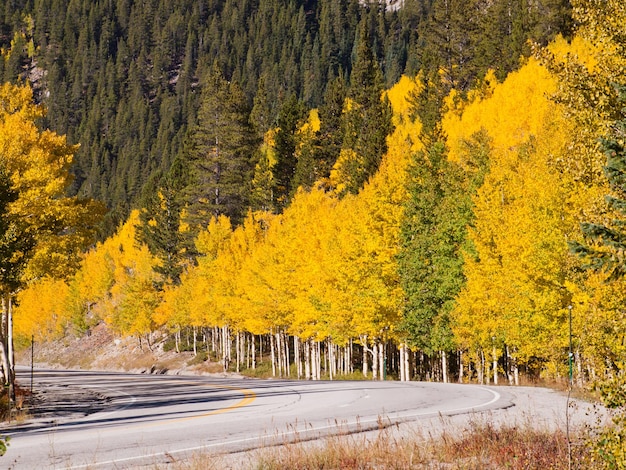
330,358
195,344
237,346
375,361
401,351
297,351
444,367
285,339
495,366
365,359
306,346
349,368
253,352
313,361
4,353
177,339
273,355
460,366
307,359
11,352
215,338
224,348
511,366
407,362
248,352
280,354
381,361
242,348
318,362
481,367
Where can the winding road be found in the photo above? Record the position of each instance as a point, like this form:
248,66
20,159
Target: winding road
118,420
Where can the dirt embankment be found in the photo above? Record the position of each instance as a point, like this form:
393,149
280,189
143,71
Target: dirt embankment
100,349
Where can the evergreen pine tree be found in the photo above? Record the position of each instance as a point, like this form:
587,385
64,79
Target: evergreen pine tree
367,123
327,144
289,121
223,154
607,242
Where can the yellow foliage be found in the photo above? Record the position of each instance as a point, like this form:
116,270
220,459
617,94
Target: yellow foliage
38,163
511,115
41,311
514,288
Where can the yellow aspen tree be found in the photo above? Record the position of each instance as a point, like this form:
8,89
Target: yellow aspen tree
133,296
48,230
41,312
515,282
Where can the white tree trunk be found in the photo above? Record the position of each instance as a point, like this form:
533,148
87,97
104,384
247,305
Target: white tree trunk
444,367
195,345
331,359
318,364
4,352
11,351
407,363
365,358
296,356
374,352
285,339
481,367
238,347
307,359
381,361
272,352
253,352
495,366
314,360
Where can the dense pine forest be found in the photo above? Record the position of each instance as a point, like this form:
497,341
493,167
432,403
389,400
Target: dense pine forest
426,189
124,79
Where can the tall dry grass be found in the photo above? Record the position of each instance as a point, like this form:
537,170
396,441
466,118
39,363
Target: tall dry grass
480,446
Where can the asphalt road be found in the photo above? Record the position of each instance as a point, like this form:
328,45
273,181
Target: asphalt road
115,420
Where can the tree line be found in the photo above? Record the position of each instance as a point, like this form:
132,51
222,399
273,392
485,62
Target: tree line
124,78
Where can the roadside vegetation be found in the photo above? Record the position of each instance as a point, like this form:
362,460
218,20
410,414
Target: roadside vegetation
480,446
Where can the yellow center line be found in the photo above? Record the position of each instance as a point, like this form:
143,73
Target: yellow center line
248,397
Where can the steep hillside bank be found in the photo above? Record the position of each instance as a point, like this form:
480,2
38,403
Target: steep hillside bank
101,350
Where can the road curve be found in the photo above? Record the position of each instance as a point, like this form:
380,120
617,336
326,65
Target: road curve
126,420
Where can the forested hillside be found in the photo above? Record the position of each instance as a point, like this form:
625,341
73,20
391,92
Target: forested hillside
124,79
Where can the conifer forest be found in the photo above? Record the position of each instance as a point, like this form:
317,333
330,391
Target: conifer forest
410,190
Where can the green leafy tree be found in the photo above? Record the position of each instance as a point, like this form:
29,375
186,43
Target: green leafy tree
434,232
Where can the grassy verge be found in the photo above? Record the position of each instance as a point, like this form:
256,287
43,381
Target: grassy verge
481,445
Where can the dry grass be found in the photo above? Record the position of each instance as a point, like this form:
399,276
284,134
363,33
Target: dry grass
481,446
17,411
